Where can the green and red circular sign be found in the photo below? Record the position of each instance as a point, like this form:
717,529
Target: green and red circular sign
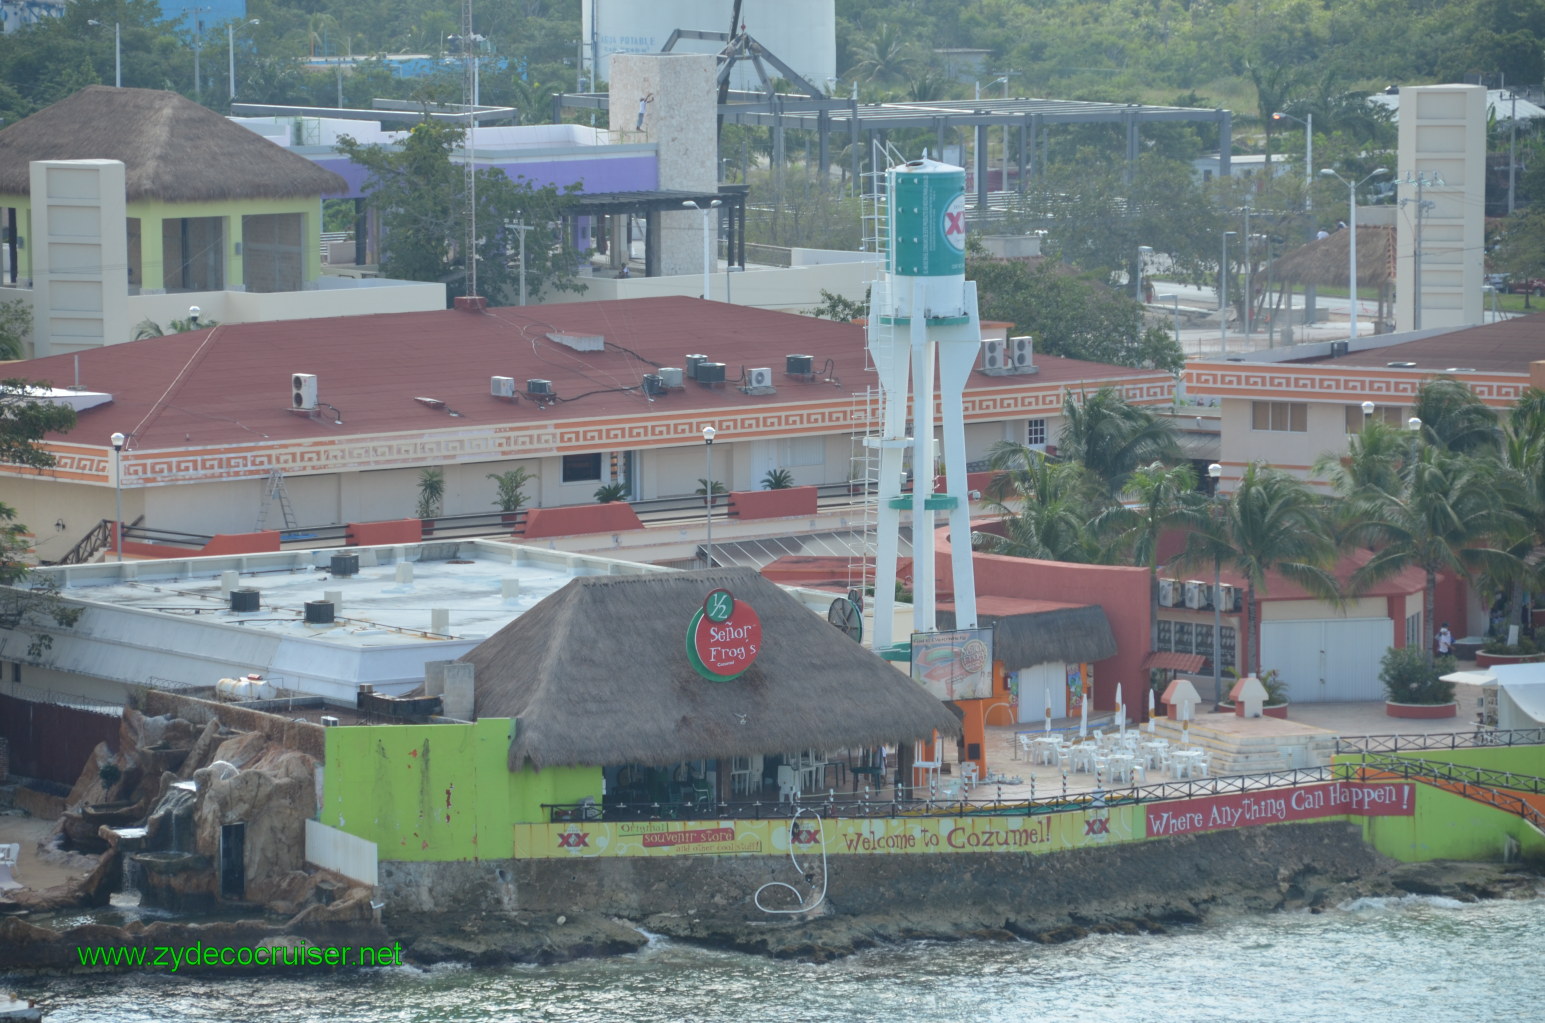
723,637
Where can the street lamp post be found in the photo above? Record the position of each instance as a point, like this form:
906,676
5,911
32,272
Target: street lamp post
1308,122
1223,296
708,259
1137,278
117,51
117,440
1352,188
198,45
1215,473
1175,299
230,43
708,436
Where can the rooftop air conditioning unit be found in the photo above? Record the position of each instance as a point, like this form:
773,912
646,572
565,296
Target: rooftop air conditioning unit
536,386
1227,597
1197,594
1169,592
994,357
691,362
652,384
303,391
670,376
501,387
1339,348
798,365
1022,352
328,721
759,378
710,372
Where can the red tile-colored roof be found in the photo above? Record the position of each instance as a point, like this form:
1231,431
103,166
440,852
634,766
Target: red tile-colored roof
231,384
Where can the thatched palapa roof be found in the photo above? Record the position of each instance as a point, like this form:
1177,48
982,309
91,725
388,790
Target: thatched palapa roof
172,149
1324,261
1068,634
597,673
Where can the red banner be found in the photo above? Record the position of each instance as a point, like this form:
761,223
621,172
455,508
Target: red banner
1278,806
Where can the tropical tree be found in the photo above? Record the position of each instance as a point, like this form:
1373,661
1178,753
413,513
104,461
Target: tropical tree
431,493
1455,419
1271,523
1450,513
1046,507
1375,459
421,196
1164,499
1112,437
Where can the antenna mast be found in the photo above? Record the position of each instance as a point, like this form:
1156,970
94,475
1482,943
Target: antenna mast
469,98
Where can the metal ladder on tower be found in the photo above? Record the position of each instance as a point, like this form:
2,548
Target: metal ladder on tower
864,475
274,490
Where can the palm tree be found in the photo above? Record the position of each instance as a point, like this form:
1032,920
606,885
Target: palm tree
1450,513
884,55
1112,438
1454,418
1046,507
1166,499
1270,523
1375,458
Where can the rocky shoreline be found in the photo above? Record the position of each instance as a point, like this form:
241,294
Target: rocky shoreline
496,939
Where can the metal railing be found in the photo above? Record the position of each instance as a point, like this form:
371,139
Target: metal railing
1449,777
1477,739
853,805
89,545
1438,770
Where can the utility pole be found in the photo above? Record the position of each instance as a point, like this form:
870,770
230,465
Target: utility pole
522,227
1420,180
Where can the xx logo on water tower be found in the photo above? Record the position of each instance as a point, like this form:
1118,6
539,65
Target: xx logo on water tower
955,222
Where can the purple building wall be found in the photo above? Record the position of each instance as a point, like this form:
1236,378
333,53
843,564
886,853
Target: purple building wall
630,172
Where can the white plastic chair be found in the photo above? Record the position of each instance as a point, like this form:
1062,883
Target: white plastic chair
788,784
970,774
930,768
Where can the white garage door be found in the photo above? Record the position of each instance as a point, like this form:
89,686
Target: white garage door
1329,660
1038,683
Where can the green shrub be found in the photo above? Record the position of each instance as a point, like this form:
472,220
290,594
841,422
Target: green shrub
778,479
1409,678
606,493
1500,645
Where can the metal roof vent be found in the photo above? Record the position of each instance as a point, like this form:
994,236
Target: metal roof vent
1401,365
580,342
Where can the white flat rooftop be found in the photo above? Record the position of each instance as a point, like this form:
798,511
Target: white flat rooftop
169,622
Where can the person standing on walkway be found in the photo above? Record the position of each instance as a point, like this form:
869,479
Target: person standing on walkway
1445,640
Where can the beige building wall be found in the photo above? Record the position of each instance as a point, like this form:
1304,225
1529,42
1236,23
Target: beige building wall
1313,610
80,254
680,116
1442,138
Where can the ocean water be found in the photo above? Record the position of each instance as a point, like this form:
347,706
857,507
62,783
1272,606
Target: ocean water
1370,960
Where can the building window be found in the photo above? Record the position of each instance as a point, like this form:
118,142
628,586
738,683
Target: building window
582,468
1389,414
1035,433
1280,416
1414,629
1166,634
797,451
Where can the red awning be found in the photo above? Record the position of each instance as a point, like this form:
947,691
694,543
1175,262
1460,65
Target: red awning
1174,661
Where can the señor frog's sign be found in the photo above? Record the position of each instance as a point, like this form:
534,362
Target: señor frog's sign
723,637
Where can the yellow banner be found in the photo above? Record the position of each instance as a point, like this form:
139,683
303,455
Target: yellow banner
880,836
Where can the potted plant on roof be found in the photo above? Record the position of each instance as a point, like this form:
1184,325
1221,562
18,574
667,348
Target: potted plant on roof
1497,650
511,486
1414,686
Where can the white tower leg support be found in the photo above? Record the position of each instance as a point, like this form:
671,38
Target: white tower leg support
924,589
958,351
892,367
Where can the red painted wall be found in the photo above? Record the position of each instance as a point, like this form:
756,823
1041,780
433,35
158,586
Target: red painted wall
375,534
1121,591
615,517
225,543
772,504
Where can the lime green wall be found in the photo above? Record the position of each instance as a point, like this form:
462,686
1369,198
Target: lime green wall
152,213
438,792
1450,826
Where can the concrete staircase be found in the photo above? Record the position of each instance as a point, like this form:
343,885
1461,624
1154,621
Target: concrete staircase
1255,746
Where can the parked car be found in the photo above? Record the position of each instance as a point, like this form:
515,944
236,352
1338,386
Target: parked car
1497,282
1527,286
